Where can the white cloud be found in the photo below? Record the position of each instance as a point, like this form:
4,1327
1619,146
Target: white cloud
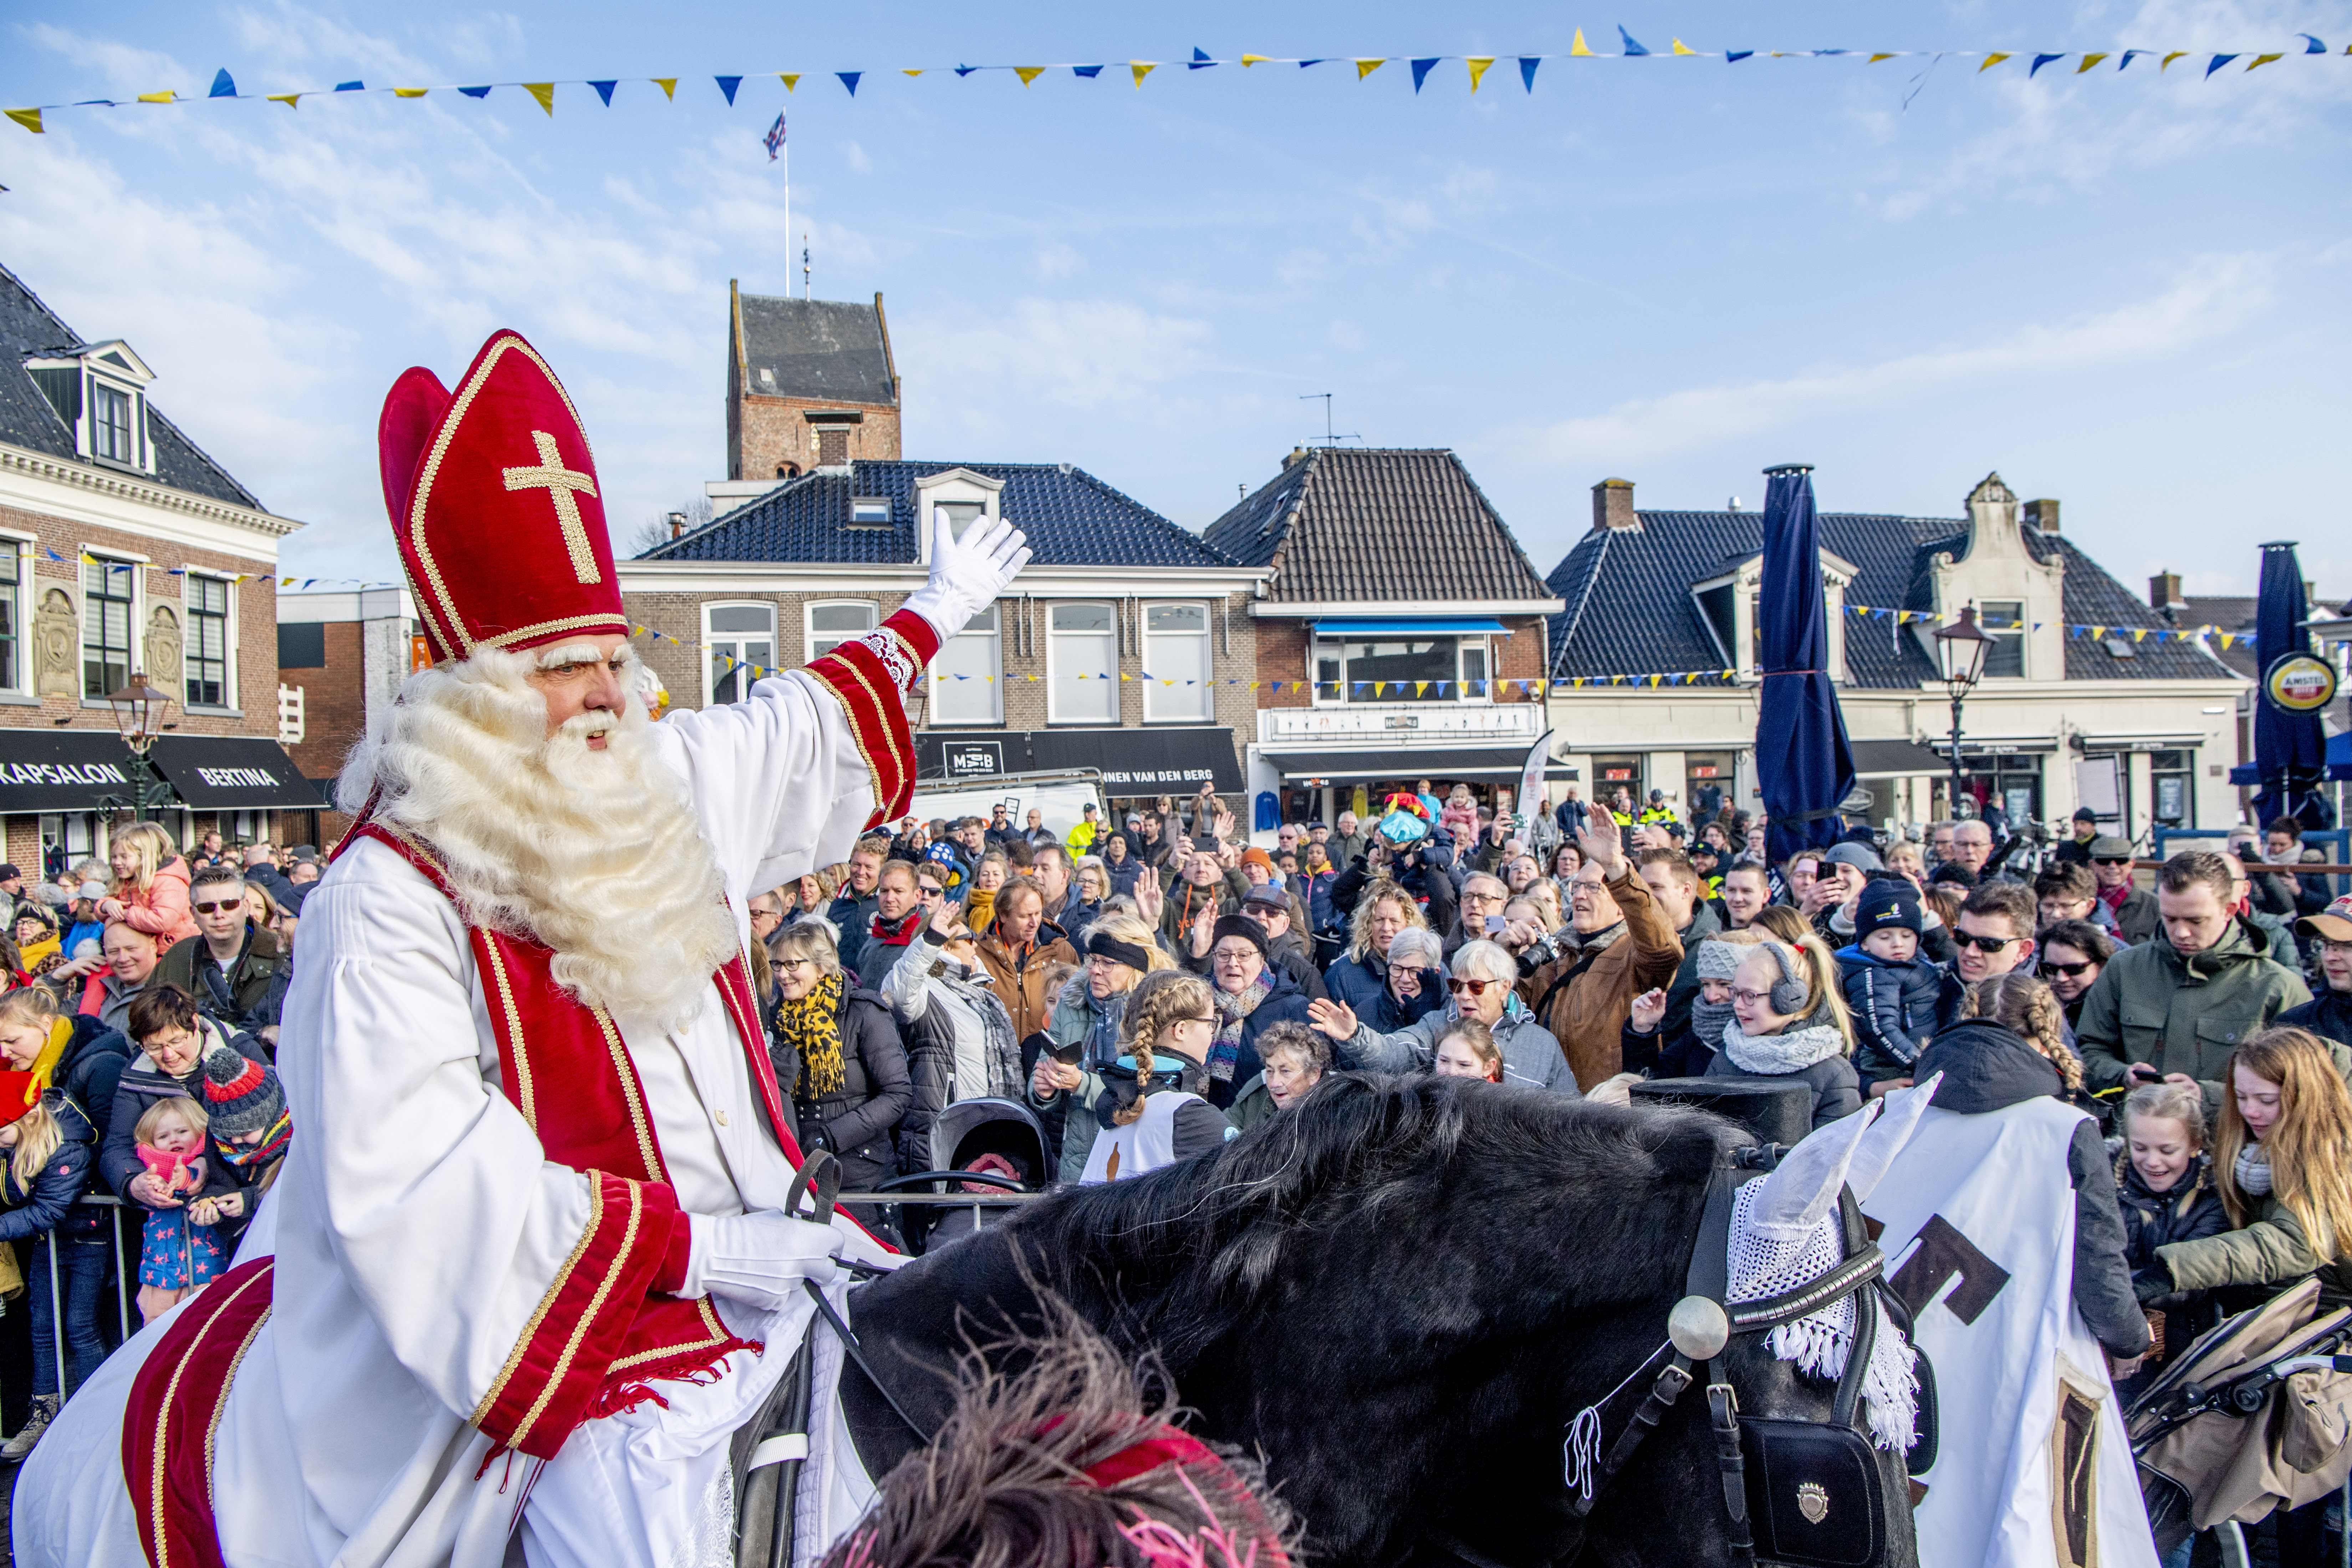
2212,297
1072,354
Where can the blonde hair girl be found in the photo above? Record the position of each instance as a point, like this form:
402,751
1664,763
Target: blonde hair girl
2030,1010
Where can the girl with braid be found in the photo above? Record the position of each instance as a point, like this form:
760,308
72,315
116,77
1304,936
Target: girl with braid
2028,1009
1151,1113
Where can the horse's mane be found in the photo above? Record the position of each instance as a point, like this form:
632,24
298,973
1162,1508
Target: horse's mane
1358,1145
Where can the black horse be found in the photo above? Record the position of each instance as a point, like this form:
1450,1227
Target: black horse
1401,1293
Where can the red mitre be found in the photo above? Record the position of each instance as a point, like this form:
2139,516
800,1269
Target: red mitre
494,503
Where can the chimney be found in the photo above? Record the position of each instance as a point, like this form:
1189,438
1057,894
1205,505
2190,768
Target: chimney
1297,455
1613,506
2041,515
677,524
2164,591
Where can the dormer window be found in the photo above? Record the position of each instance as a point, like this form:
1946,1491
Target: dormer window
101,393
869,512
957,497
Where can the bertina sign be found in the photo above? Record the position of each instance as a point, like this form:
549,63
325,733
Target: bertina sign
90,770
239,778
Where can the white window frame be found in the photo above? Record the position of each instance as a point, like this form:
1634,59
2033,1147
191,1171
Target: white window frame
229,689
809,633
84,558
1054,640
1154,692
711,639
953,486
941,680
2005,633
21,546
1344,695
1462,691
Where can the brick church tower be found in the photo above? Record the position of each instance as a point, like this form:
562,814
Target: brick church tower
810,384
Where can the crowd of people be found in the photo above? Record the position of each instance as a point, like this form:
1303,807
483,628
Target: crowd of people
138,1030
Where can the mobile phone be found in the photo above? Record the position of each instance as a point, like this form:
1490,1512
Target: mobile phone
1068,1055
1494,922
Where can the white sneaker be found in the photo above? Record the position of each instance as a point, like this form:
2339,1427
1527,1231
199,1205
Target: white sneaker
36,1421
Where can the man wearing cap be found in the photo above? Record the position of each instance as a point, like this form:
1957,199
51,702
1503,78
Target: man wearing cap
1082,838
2134,908
525,1270
2077,851
2329,1014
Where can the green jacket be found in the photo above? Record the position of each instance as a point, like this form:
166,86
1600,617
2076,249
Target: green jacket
249,977
1252,1105
2271,1251
2182,1014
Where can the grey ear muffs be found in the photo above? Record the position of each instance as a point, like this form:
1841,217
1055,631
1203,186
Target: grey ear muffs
1788,991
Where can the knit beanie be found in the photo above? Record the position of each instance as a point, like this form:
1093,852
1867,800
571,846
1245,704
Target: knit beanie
1719,959
241,1094
1888,903
1246,929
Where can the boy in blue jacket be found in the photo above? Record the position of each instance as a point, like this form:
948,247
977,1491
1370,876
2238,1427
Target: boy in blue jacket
1892,990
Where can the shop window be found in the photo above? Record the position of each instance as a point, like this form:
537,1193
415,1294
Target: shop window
1082,665
966,684
2172,781
1176,666
739,638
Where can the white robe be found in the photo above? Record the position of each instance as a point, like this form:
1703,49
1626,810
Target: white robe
418,1226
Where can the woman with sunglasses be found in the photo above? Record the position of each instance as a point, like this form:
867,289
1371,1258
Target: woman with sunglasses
2073,954
1151,1111
1479,988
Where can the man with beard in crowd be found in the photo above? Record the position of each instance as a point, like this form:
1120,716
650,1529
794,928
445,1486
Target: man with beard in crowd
509,1297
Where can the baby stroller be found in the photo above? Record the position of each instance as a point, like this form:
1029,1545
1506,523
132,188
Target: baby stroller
2257,1415
976,1146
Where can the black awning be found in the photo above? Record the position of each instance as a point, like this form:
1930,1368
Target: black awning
1143,762
1418,762
62,770
234,773
1896,759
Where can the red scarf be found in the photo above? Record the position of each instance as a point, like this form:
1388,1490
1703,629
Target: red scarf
903,934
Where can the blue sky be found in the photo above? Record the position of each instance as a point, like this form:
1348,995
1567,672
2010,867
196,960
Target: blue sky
2125,291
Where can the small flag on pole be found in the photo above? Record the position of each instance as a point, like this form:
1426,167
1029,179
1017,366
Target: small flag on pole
775,136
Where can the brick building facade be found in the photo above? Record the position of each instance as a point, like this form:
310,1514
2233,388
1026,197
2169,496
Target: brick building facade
810,382
344,653
125,551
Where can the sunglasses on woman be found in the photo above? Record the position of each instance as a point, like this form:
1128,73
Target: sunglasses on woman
1471,988
2067,971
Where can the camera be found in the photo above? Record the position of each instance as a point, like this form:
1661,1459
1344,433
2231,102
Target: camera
1544,950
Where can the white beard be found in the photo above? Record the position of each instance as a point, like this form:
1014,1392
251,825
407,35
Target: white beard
594,853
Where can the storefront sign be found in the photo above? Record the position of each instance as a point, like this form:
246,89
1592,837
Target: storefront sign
972,759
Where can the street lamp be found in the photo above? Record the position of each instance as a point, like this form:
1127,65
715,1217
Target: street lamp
139,714
1960,650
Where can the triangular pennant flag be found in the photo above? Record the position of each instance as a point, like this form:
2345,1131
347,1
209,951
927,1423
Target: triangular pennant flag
2040,60
473,91
1681,48
420,92
1419,687
294,100
1875,58
2166,64
30,118
728,84
668,84
1142,69
222,87
1028,73
849,81
2312,46
351,87
1421,69
1528,64
1632,48
1089,72
2129,54
912,70
2261,60
1365,67
1247,61
965,70
791,79
1737,55
166,97
604,90
1200,61
2218,61
2088,61
1479,64
1991,60
1577,46
2139,634
545,93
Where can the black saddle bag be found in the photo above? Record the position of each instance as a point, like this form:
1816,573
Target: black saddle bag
1814,1494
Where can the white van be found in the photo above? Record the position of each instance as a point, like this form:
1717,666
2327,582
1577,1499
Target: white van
1061,797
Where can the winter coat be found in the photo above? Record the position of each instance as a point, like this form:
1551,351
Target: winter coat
1075,1014
1986,1069
1363,984
1837,1090
106,998
2189,1211
189,965
2137,919
1530,1054
1252,1105
1897,1008
1018,978
1183,904
1284,1001
91,1069
47,1203
1346,848
1317,889
2182,1014
2327,1014
1584,998
856,1120
2272,1251
1124,874
1683,990
853,917
161,911
144,1083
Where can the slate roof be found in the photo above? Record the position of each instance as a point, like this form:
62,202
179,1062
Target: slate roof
1071,518
1630,610
30,330
1344,523
828,349
2232,613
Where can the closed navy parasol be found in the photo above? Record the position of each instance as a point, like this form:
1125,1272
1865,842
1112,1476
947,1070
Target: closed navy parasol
1803,764
2290,743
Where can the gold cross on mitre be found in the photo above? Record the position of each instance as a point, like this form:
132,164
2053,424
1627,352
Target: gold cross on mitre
559,482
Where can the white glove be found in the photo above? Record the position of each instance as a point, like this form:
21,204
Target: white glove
968,573
759,1258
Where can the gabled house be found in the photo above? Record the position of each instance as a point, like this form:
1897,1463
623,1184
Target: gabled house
1125,645
1401,634
809,383
2090,697
126,550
